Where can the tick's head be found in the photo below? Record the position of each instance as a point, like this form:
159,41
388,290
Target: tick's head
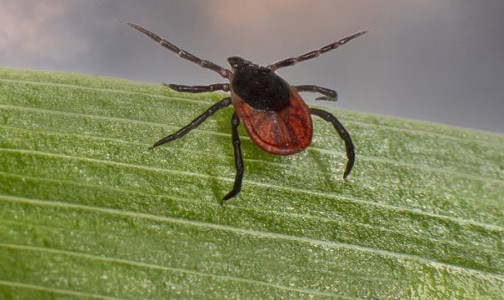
237,62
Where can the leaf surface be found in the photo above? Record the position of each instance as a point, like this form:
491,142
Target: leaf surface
87,212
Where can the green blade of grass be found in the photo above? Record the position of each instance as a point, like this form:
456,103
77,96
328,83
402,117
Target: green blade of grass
87,212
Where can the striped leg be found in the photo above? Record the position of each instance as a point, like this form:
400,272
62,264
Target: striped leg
329,95
199,88
182,53
312,54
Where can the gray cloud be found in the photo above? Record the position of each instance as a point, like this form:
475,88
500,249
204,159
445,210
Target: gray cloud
31,31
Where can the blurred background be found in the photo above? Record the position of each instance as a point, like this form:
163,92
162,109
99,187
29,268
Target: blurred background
437,60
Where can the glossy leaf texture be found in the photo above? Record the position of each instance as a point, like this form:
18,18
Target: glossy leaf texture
86,212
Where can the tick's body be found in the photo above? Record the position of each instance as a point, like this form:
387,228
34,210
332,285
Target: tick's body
273,113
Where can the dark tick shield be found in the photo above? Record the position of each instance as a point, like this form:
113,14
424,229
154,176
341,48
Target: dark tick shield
273,113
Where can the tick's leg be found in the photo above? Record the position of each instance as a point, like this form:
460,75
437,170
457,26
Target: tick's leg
183,54
183,131
312,54
199,88
342,133
329,95
238,159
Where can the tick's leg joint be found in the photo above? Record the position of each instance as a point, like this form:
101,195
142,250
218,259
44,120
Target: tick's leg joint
328,94
312,54
182,53
342,133
238,159
195,123
199,88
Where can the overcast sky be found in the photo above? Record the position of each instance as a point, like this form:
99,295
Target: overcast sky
435,60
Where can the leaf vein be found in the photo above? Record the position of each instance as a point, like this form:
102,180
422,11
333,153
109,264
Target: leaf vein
312,148
262,184
249,232
189,99
162,268
53,290
274,212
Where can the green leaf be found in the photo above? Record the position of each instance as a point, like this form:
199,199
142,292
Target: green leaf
87,212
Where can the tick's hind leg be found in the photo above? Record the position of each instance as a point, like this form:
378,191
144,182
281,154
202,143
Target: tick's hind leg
238,159
342,133
329,95
195,123
199,88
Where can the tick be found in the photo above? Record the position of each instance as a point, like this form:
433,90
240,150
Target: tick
273,113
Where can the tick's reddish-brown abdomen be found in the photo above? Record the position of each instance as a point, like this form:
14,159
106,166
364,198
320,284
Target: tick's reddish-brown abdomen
282,132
